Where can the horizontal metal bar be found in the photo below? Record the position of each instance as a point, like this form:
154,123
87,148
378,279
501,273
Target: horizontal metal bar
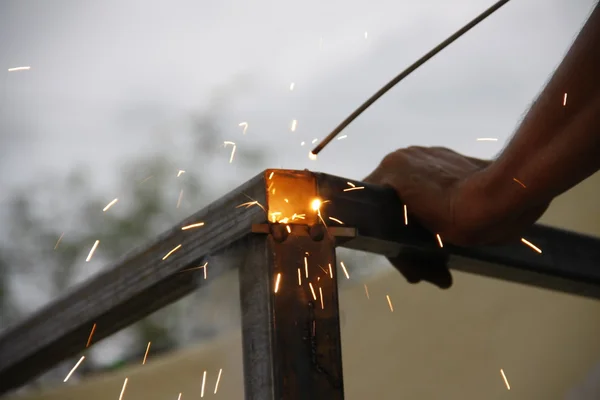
141,282
569,262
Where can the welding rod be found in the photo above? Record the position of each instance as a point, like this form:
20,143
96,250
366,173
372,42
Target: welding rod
405,73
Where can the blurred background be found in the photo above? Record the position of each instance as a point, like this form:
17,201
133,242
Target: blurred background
167,105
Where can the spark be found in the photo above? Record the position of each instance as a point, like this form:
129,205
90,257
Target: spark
292,86
146,355
302,143
58,241
90,337
314,140
342,137
336,220
565,100
298,216
487,139
294,125
180,172
123,389
287,228
405,215
519,182
286,200
321,296
330,271
250,204
179,199
196,225
299,277
439,239
322,269
172,251
316,204
312,290
109,205
367,291
145,179
19,69
345,270
277,282
306,266
179,397
312,156
534,247
203,383
390,302
271,175
205,266
354,188
74,368
245,125
505,380
351,184
89,257
366,35
218,379
232,150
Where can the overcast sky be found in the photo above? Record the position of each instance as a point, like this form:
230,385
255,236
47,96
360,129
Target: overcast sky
94,62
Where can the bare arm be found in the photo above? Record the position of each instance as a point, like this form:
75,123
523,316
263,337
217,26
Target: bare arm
557,145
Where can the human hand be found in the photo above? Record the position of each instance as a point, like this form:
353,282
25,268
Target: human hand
446,192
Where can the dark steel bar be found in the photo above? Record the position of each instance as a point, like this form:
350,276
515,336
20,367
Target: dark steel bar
290,318
569,262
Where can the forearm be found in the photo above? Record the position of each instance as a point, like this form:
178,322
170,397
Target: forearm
557,145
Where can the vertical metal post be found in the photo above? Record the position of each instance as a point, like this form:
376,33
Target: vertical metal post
290,316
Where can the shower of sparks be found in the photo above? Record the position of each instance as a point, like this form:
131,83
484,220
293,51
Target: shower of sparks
58,241
277,282
299,277
565,100
191,226
180,172
487,139
109,205
288,229
367,292
146,355
245,125
293,125
232,150
366,35
345,271
314,140
74,368
405,215
203,383
505,380
390,302
342,137
218,380
19,69
519,182
89,257
439,239
354,188
330,272
336,220
180,197
321,296
171,252
90,337
312,156
123,389
312,290
306,266
534,247
292,86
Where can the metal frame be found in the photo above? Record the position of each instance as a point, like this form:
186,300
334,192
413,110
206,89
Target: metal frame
291,342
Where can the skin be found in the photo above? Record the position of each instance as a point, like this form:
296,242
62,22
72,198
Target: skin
472,202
